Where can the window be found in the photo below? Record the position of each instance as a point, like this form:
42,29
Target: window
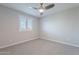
29,24
22,23
25,24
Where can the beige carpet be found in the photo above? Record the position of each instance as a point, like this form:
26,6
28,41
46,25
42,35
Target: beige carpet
40,47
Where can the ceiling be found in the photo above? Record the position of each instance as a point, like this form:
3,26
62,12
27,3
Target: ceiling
25,7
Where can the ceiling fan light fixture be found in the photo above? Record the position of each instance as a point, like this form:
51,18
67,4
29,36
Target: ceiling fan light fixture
41,10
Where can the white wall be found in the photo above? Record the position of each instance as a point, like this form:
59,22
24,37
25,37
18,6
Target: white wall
62,27
9,27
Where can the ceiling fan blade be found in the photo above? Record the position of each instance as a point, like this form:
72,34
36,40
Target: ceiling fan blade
33,7
50,6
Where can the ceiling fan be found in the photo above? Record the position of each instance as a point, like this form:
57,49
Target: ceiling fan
42,8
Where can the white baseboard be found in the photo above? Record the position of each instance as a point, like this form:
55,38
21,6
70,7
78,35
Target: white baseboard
23,41
66,43
19,42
